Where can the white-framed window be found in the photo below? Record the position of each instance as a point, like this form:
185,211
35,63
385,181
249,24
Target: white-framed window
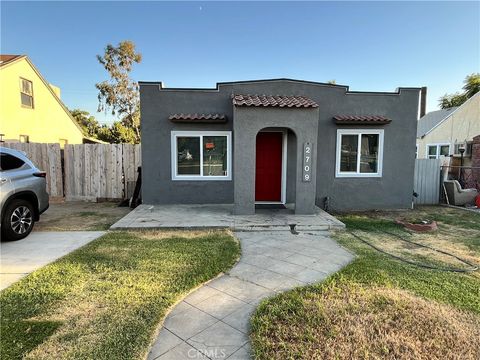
359,153
201,155
26,93
434,151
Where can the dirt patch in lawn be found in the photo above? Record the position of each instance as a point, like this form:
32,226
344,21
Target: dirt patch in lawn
167,234
355,322
458,234
77,215
441,240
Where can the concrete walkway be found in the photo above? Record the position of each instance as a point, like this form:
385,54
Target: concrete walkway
213,216
19,258
213,321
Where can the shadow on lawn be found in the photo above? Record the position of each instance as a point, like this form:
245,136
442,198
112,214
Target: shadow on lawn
28,335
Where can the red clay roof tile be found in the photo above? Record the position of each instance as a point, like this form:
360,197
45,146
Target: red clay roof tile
361,119
273,101
201,118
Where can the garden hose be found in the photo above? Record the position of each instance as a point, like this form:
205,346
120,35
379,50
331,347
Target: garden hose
467,270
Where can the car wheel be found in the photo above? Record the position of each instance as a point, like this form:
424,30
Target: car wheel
17,220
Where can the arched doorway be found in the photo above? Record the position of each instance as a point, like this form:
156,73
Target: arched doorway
301,126
273,165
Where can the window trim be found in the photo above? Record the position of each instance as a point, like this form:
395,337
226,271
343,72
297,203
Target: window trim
359,133
438,145
21,92
200,134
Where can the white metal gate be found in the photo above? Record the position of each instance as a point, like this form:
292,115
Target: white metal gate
427,181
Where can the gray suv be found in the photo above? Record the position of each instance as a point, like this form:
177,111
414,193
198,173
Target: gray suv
23,195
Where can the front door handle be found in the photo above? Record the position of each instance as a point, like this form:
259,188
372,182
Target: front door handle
3,181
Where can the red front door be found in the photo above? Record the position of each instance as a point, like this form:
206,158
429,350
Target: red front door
268,172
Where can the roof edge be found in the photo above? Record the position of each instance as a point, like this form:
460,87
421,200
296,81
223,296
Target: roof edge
13,60
60,102
218,84
95,140
446,117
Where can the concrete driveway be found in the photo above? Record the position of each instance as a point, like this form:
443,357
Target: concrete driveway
19,258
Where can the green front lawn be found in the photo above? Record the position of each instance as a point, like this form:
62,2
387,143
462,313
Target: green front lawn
105,300
378,307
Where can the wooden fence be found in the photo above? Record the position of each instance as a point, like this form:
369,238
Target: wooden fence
90,171
427,181
100,171
46,157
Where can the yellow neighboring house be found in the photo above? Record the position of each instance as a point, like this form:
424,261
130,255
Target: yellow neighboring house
444,132
30,107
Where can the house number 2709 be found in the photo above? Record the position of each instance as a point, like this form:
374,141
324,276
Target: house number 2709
307,162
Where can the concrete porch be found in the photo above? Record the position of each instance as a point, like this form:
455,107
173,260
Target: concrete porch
220,216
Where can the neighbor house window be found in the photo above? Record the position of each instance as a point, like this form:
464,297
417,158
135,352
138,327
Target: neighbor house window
434,151
24,139
467,149
198,155
26,93
359,153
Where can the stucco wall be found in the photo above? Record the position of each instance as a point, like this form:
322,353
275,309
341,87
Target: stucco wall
291,166
47,122
392,190
248,121
462,125
157,184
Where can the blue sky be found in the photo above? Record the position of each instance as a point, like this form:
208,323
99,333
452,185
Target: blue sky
368,45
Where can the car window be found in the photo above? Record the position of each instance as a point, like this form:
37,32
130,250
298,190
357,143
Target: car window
10,162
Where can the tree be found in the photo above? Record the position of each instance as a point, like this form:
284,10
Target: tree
86,121
332,82
122,134
120,93
472,84
471,87
117,133
105,134
450,100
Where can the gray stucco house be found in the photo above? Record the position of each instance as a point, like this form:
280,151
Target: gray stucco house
279,141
